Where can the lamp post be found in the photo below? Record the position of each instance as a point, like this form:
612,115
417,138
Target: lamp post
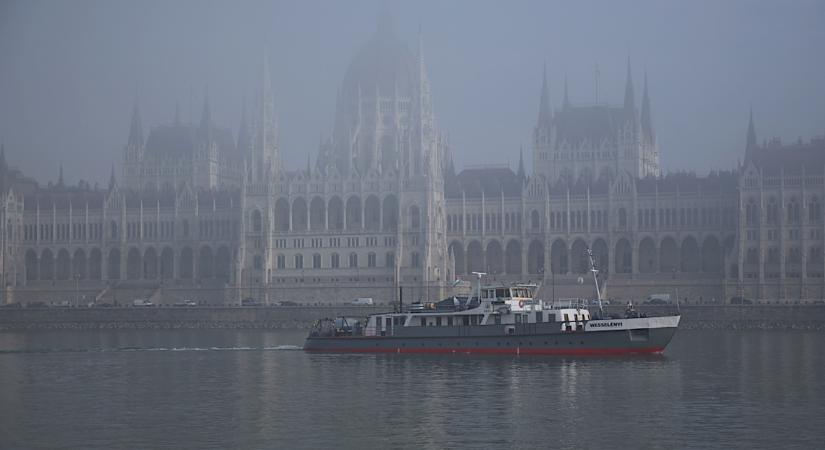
76,289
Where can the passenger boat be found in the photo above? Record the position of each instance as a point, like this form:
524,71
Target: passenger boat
498,320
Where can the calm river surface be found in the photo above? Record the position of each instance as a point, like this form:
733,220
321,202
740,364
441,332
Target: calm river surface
255,389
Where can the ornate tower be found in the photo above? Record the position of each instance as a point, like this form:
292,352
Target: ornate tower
134,150
265,160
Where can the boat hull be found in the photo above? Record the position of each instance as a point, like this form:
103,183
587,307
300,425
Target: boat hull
596,343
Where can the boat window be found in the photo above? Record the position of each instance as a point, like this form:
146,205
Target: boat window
449,321
423,321
502,292
539,317
466,320
438,321
518,318
388,322
566,317
498,319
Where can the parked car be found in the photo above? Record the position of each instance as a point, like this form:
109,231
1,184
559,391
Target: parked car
658,299
655,301
363,301
142,302
740,301
250,301
287,303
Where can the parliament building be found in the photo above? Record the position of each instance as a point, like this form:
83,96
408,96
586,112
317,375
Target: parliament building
196,211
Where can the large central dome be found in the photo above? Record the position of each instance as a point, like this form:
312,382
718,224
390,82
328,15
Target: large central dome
384,62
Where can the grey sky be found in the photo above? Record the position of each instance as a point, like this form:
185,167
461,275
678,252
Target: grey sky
70,71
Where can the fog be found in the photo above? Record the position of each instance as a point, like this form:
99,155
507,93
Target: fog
72,71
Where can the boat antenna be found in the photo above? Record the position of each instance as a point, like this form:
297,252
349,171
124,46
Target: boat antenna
479,275
595,272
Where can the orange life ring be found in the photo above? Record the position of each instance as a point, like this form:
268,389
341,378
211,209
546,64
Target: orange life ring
521,303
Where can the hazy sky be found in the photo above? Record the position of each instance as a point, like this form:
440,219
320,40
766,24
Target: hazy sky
70,71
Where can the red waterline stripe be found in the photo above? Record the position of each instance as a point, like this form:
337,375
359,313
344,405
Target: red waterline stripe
499,351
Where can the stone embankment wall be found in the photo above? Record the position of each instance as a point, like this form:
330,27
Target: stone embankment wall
808,317
175,317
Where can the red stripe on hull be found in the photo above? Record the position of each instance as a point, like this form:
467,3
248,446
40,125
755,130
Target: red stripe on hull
500,351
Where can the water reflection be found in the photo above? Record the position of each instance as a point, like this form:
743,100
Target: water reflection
227,388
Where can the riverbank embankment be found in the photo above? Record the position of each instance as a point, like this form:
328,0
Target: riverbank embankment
803,317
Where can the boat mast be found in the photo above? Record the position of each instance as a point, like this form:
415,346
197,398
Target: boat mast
595,273
479,275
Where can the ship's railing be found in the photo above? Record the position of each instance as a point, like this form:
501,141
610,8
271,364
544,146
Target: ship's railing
567,303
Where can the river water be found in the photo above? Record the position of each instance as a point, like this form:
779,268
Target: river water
256,389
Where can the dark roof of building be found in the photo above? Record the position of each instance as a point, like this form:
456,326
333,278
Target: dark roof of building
180,141
774,157
577,124
688,182
492,181
60,199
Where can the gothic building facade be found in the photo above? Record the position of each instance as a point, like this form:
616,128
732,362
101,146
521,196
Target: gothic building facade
196,213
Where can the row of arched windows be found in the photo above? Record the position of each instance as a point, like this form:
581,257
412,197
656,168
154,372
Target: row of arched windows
333,262
793,213
334,214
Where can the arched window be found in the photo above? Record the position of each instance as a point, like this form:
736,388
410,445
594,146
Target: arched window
334,261
750,213
299,261
793,211
814,211
353,260
256,221
622,217
316,261
773,211
415,217
390,259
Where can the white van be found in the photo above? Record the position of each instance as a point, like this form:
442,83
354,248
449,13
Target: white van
363,301
658,299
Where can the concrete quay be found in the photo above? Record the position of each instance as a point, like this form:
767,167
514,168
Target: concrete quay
804,317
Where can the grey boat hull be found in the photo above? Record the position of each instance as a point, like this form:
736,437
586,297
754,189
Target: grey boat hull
587,340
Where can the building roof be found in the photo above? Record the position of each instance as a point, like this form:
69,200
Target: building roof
775,157
594,124
180,141
492,181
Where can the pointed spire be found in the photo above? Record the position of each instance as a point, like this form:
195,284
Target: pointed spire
629,100
566,103
544,101
647,123
521,173
136,129
385,23
308,166
60,182
751,139
3,168
112,181
243,138
206,115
